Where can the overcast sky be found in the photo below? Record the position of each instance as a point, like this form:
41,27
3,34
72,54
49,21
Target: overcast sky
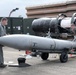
7,5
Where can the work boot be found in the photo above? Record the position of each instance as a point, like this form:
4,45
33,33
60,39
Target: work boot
2,65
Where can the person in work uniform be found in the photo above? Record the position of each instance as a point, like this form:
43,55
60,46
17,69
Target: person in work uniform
3,23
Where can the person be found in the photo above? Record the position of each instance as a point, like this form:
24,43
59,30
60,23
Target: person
3,23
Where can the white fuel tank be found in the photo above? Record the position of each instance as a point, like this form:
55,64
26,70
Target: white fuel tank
66,22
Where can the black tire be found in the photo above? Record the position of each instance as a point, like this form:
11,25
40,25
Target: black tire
63,57
44,56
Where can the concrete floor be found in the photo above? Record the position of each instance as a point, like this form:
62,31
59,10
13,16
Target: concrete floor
38,67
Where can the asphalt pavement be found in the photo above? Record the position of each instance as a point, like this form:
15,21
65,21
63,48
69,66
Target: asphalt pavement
52,66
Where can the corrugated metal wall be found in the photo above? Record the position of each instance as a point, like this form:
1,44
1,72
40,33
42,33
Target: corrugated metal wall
27,28
14,25
19,25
